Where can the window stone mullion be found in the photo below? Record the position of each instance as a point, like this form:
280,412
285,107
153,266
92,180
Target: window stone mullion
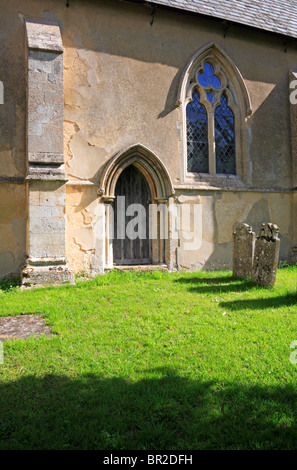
211,144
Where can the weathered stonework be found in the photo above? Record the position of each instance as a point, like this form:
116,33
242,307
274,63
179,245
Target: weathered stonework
38,275
46,230
113,84
266,255
293,125
45,101
243,251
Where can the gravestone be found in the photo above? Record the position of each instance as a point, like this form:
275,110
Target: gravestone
243,251
266,255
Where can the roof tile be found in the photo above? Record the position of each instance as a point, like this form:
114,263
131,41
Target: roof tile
278,16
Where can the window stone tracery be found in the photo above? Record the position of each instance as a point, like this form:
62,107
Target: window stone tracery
215,105
209,115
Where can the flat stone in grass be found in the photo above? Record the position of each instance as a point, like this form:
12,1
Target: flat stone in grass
22,326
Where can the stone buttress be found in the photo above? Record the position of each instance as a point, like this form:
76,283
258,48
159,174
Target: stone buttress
46,243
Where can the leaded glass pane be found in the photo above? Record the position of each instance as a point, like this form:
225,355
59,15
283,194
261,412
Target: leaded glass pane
197,138
210,97
225,138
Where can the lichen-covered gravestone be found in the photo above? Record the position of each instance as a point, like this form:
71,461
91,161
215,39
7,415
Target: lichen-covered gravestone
243,251
266,255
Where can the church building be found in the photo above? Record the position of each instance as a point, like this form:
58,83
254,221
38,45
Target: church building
142,132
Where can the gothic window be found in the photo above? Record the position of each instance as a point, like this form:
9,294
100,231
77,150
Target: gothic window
210,123
214,105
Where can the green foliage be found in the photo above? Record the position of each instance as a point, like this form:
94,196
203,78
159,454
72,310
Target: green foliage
9,283
152,360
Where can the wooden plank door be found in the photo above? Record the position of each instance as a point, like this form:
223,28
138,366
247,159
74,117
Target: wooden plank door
127,251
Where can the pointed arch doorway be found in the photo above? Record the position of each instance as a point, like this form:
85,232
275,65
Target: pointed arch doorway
132,244
155,188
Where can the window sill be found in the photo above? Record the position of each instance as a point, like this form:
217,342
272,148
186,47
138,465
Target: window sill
207,181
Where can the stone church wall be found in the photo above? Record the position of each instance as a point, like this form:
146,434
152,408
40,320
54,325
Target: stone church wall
121,78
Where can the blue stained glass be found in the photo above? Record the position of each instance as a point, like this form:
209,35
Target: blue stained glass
203,79
208,78
225,138
210,97
197,136
208,69
215,82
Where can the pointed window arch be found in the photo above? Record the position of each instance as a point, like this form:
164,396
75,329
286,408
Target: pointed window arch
215,105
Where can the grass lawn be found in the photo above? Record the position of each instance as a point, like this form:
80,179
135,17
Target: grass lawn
153,361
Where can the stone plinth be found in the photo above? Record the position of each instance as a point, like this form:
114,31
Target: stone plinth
41,275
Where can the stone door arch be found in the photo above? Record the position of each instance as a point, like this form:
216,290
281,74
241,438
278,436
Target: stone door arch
161,190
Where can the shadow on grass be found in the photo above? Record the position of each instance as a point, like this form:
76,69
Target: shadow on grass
169,412
261,304
216,284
